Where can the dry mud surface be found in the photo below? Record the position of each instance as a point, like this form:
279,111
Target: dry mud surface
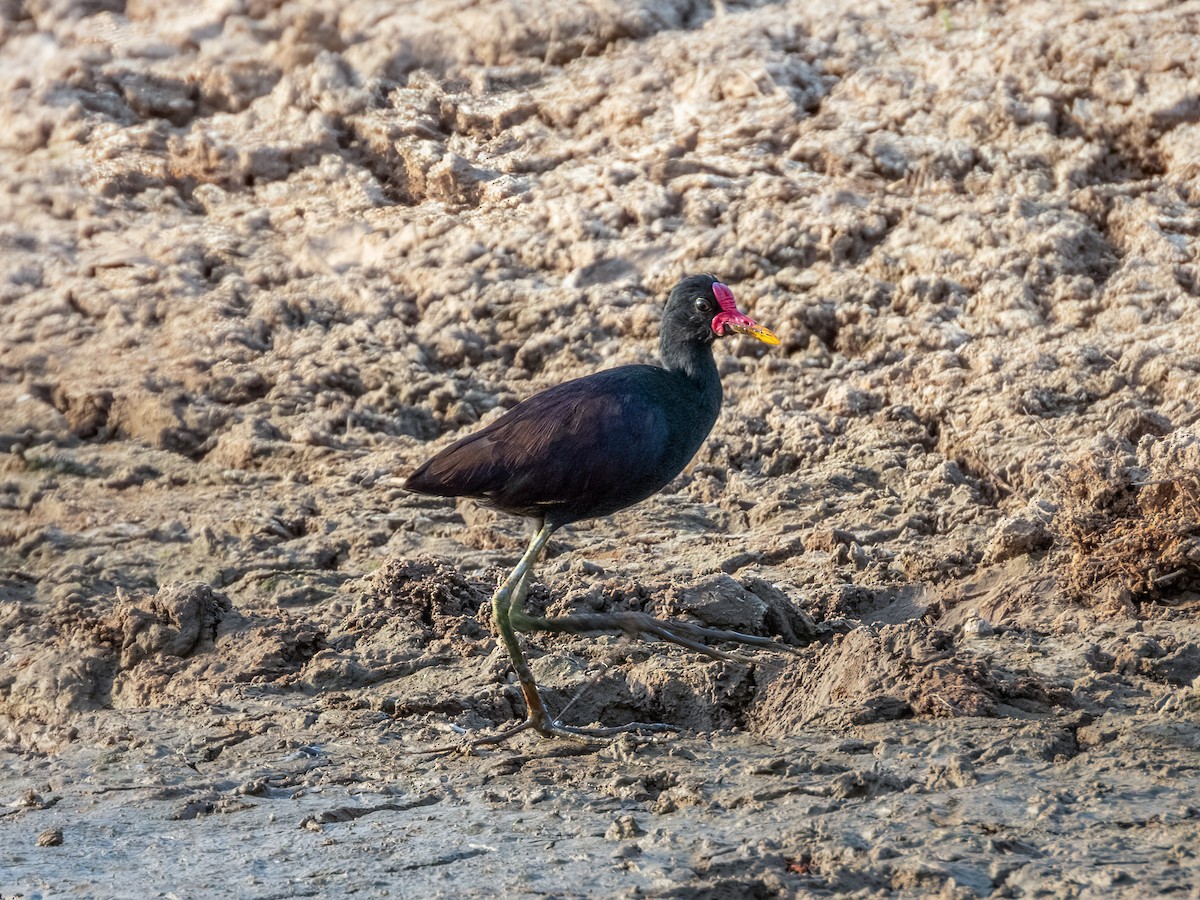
259,259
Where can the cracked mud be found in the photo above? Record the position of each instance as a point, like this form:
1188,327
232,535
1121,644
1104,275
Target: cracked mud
258,260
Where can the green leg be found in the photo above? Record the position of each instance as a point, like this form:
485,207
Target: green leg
520,619
508,609
508,603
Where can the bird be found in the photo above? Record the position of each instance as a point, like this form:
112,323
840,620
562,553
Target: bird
590,447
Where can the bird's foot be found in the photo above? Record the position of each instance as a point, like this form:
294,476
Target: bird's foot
641,625
558,729
547,728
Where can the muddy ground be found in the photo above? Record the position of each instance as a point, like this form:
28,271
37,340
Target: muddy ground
259,259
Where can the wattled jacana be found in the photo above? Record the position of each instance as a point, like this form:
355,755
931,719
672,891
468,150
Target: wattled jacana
590,447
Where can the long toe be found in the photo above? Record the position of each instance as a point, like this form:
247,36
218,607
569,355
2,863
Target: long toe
560,730
551,730
572,732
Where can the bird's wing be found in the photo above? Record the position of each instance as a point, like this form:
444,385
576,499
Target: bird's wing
599,436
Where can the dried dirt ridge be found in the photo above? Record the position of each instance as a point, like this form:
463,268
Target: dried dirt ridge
257,260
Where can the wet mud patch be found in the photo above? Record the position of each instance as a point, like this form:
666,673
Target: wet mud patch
186,643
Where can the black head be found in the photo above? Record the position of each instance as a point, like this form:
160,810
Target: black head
701,309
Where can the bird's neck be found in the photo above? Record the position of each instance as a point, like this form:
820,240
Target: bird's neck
694,361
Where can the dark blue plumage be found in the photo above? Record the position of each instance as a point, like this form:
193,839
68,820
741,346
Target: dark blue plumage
592,446
588,447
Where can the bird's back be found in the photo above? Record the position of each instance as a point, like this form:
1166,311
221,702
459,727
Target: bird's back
588,447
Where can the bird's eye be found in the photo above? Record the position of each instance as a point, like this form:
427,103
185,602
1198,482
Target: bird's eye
702,305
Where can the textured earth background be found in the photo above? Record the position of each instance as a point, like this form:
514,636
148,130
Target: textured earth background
259,259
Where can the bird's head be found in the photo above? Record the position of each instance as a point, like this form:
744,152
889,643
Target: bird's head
701,309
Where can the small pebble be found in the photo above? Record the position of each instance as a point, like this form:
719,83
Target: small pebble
626,851
52,837
978,628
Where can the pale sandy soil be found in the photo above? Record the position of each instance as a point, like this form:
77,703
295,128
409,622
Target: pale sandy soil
258,260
